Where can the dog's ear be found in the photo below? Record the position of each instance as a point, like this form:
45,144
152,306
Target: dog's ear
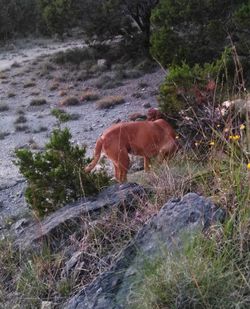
151,114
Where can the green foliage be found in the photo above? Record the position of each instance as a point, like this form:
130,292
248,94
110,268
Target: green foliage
198,31
63,116
59,15
212,269
204,276
184,84
130,19
56,176
101,18
19,16
74,56
192,98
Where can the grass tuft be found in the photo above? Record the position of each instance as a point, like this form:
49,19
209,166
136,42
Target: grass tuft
110,101
38,102
69,101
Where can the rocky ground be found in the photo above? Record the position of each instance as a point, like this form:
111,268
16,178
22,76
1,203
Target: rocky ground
27,75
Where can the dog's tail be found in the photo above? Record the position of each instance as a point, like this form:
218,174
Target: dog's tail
97,154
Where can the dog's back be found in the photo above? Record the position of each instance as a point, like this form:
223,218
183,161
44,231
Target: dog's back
139,138
142,138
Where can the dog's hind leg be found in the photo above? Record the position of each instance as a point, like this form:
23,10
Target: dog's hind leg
123,165
146,164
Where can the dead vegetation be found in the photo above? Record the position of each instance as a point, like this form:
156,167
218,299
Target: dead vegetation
110,101
70,101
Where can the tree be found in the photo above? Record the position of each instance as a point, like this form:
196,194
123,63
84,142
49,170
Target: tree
197,31
59,15
140,11
18,17
119,17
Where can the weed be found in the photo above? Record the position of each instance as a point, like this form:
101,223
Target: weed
89,96
73,56
21,128
69,101
40,129
63,116
21,119
38,102
110,101
11,94
3,135
107,82
29,84
4,107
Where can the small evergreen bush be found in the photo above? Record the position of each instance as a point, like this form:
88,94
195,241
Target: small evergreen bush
63,116
192,98
73,56
187,86
56,176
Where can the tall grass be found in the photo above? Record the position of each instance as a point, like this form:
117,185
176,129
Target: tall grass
213,270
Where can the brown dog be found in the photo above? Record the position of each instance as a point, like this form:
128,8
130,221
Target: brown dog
143,138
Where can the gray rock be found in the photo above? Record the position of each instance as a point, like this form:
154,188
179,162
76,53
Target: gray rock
46,305
102,63
20,225
58,226
12,202
164,231
146,105
71,263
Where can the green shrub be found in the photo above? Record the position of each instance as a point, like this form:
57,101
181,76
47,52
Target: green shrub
59,15
198,32
38,102
109,101
63,116
192,97
56,176
184,85
19,16
107,82
73,56
3,107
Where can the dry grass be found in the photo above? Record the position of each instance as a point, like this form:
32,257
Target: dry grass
21,128
89,96
46,275
38,102
4,107
11,94
3,135
107,82
21,119
54,86
29,84
70,101
109,101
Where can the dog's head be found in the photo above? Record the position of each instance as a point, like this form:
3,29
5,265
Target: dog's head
154,114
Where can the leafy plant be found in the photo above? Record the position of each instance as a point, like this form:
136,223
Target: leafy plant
192,96
198,31
56,176
63,116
